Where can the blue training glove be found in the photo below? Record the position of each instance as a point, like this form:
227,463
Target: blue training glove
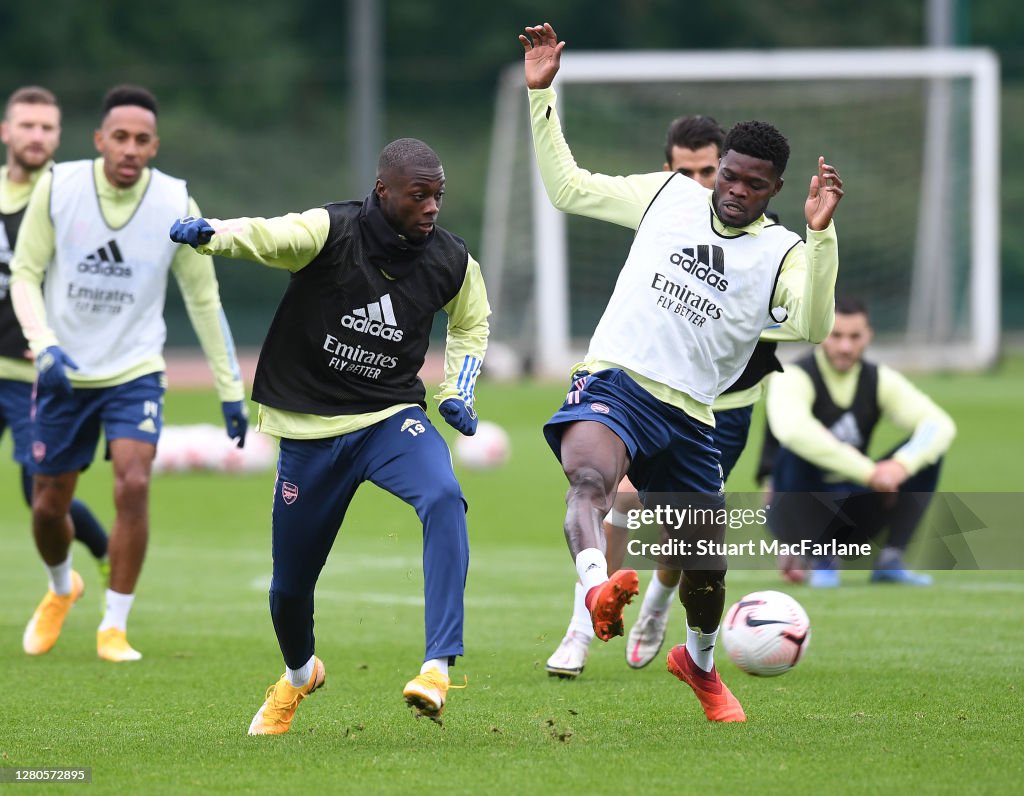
236,419
50,367
193,231
459,415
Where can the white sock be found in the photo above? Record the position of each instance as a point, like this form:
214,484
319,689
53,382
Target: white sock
592,567
657,597
60,577
299,677
118,606
701,647
441,664
581,624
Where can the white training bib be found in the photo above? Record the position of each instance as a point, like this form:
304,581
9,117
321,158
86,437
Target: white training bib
689,303
105,289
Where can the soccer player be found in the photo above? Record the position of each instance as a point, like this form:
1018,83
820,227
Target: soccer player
89,277
704,276
693,147
823,412
31,133
337,383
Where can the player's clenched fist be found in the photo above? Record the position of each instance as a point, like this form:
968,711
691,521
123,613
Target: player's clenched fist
193,231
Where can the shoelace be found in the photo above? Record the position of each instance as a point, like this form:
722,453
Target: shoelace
275,706
293,702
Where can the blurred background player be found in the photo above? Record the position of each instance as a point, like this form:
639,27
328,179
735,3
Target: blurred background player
338,383
693,146
823,411
31,133
661,353
89,278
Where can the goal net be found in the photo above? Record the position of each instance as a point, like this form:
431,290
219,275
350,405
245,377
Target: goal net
914,133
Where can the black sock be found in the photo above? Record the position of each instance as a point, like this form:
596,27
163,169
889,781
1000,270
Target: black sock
703,597
88,529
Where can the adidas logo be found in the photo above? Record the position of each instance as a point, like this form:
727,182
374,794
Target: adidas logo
106,261
5,245
148,426
845,429
704,262
377,318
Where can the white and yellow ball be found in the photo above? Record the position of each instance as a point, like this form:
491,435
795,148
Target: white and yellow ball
485,450
766,633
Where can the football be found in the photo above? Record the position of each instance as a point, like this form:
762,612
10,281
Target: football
488,448
766,633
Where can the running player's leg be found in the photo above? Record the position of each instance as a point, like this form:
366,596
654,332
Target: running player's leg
311,494
64,437
568,660
132,415
732,427
16,412
411,460
687,480
132,460
594,459
703,595
606,422
87,528
702,592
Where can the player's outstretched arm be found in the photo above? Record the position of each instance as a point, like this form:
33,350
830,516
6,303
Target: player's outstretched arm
620,200
290,242
825,191
543,55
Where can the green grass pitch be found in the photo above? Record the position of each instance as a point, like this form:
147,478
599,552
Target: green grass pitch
902,690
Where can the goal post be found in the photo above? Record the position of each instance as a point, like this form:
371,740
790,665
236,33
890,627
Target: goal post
914,132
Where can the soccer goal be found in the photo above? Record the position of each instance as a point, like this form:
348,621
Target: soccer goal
914,134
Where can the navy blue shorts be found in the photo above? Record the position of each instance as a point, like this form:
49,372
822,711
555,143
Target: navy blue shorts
66,430
732,427
669,451
15,414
